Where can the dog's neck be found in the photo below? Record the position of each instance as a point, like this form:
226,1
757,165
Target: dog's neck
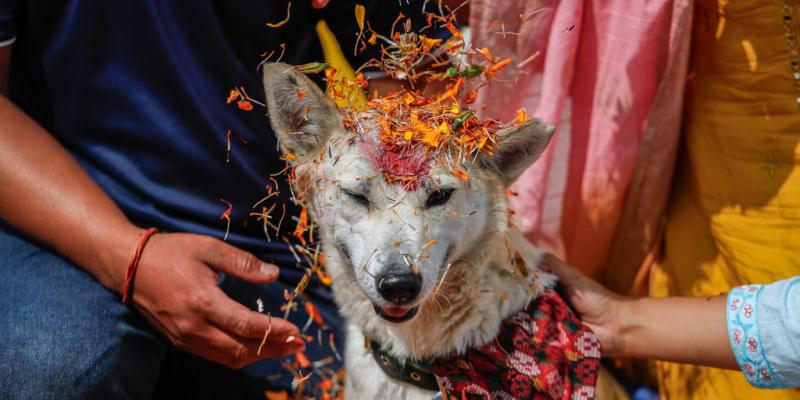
480,290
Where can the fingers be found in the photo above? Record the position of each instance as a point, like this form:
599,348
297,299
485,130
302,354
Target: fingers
566,273
572,278
218,346
579,287
236,320
319,3
241,264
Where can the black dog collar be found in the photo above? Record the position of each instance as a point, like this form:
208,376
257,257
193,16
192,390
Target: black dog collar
413,372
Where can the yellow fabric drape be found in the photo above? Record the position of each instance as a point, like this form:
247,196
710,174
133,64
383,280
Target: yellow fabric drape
734,215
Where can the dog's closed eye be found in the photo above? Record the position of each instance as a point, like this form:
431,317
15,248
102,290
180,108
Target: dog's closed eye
357,197
438,197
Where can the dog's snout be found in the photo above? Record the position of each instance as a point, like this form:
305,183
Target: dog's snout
399,288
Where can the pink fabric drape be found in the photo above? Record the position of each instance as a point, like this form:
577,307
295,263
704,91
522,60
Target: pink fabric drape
609,74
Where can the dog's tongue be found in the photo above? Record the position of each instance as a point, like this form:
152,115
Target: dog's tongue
395,312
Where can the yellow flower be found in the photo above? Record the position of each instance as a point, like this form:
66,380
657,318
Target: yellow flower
428,43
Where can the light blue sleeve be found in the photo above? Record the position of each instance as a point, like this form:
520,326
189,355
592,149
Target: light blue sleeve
764,332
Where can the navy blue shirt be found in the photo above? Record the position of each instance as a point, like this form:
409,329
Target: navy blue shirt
136,91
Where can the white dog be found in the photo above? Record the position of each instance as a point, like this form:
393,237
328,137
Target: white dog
414,297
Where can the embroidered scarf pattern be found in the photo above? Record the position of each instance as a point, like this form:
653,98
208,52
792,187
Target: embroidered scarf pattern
542,352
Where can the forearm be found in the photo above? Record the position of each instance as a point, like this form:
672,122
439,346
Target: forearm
679,329
47,195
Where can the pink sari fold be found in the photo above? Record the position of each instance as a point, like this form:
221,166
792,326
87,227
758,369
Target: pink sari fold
610,76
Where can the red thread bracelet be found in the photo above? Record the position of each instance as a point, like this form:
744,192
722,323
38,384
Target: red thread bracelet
134,264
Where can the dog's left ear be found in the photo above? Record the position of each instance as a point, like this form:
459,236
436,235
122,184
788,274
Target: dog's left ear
301,115
518,147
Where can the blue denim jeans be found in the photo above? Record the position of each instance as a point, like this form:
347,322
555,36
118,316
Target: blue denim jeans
64,336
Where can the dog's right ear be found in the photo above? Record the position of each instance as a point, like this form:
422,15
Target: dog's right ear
301,115
518,147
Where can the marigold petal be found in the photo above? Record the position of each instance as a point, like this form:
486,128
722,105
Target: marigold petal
232,96
245,105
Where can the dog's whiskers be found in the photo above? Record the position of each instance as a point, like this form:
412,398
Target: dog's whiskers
366,263
444,296
439,305
439,285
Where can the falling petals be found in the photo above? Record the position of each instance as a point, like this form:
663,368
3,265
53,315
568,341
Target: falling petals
492,70
283,22
232,96
244,105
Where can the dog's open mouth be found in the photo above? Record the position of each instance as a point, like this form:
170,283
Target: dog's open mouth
396,314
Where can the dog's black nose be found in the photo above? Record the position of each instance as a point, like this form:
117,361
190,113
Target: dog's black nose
399,288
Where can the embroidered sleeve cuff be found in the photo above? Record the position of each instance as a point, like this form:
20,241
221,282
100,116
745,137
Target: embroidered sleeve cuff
745,339
779,328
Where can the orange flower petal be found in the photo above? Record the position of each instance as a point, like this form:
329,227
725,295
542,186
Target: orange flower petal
232,96
497,67
303,360
522,116
244,105
461,174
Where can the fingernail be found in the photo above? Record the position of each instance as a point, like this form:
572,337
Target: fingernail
268,269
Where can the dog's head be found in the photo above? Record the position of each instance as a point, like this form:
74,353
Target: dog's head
395,219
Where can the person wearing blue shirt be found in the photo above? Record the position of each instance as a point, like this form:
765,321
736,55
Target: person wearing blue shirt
754,328
113,119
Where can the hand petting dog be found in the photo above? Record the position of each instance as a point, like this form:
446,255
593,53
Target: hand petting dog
680,329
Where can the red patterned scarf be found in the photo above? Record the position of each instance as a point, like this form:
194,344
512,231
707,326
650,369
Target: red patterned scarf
543,352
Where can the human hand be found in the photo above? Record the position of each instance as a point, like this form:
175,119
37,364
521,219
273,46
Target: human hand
176,290
599,308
